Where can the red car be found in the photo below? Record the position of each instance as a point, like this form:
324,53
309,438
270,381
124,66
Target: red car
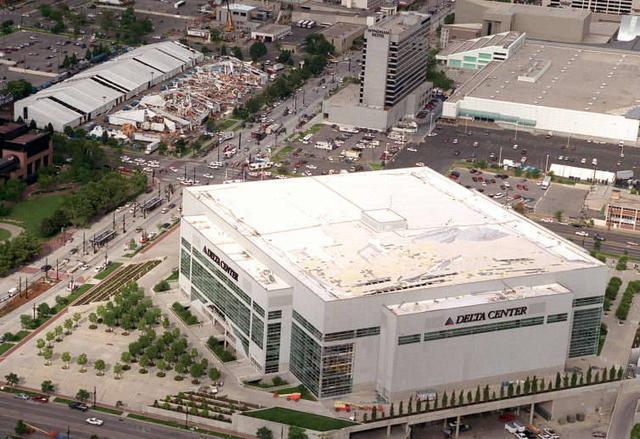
506,417
40,398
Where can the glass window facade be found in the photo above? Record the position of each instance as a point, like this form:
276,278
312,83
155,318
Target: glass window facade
554,318
305,359
585,332
408,339
226,303
275,315
274,331
306,325
257,330
337,368
185,263
222,276
258,309
480,329
342,335
586,301
185,244
368,332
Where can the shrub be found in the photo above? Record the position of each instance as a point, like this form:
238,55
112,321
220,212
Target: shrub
218,349
627,297
184,314
162,286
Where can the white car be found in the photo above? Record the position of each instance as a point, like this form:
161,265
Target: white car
583,161
547,220
312,166
420,164
412,150
582,233
594,162
173,169
95,421
455,141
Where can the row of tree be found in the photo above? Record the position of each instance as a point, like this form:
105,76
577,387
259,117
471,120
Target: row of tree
611,292
529,386
627,298
317,50
17,251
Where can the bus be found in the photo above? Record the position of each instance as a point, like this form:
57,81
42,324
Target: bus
258,166
178,4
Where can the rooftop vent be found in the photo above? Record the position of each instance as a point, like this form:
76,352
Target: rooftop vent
384,220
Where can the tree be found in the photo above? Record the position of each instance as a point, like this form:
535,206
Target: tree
26,321
392,411
214,374
48,355
285,57
558,381
40,344
125,357
144,361
68,324
196,371
19,89
445,399
264,433
12,379
66,357
476,397
317,44
297,433
117,371
50,336
21,428
461,398
58,330
93,318
558,215
83,395
99,365
47,386
163,285
510,390
257,50
82,361
612,373
44,310
237,52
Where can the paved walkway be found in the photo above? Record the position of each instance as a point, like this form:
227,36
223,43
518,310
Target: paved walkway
13,229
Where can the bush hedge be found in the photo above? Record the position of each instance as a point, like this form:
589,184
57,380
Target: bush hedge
184,314
627,298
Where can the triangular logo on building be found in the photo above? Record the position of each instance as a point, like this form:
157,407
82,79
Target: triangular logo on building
449,322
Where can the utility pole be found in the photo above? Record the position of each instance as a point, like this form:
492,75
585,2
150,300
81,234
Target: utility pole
84,252
57,268
124,230
34,310
94,395
114,220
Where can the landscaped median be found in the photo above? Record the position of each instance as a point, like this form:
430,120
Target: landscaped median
296,418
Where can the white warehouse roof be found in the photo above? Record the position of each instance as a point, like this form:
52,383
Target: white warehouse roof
420,229
96,90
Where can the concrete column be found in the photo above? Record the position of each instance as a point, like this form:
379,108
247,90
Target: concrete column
389,431
533,406
457,427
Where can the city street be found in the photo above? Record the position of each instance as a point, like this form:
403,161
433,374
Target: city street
58,418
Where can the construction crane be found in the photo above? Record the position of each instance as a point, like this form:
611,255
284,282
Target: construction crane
228,27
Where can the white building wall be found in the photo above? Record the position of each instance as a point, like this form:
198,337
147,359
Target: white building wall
558,120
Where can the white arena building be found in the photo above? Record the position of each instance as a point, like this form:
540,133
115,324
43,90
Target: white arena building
394,281
558,88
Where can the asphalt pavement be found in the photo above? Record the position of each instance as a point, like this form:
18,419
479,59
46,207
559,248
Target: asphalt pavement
54,417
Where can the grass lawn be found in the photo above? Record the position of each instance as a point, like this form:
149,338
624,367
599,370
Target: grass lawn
4,347
33,210
376,166
301,389
174,276
107,410
4,234
107,271
227,123
282,154
300,419
635,433
63,400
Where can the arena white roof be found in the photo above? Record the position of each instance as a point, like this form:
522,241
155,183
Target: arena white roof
367,233
100,86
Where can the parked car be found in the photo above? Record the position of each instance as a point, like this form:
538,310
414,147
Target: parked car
95,421
40,398
78,406
22,396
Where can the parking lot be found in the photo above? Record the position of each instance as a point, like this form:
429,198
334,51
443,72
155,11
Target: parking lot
502,188
326,150
41,52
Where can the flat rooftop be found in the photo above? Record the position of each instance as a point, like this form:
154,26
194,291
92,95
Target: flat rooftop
419,230
504,295
504,40
578,78
341,29
401,22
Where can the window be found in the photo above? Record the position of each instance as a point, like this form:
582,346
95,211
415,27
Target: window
258,309
368,332
257,330
226,303
186,244
337,368
554,318
185,263
342,335
306,325
481,329
408,339
586,301
222,276
305,358
275,315
585,332
273,347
